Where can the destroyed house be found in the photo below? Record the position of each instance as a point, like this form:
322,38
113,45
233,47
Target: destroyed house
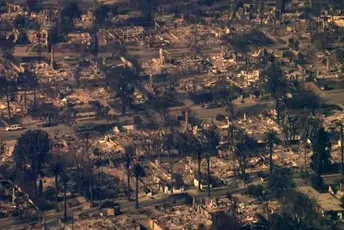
328,205
85,112
203,181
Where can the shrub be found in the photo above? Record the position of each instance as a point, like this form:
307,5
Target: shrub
229,195
255,190
258,190
220,117
49,193
250,190
294,43
317,182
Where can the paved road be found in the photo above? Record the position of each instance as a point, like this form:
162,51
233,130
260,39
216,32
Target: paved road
334,97
13,223
250,107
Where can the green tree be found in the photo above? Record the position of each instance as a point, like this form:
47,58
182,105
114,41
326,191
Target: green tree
255,190
275,84
32,6
298,212
71,11
31,152
280,181
226,92
294,43
138,173
271,138
120,80
101,14
225,221
321,146
148,8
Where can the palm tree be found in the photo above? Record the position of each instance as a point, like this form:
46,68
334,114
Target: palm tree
138,173
65,179
271,138
129,153
57,169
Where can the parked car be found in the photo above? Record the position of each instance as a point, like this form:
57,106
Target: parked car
49,124
212,106
14,127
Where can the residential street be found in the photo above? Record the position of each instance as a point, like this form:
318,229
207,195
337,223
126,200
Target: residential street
15,223
250,106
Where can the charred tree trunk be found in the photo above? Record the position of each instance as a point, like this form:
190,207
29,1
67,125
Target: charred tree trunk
25,99
270,158
208,168
137,193
128,181
341,150
172,176
8,104
56,193
199,171
123,109
65,199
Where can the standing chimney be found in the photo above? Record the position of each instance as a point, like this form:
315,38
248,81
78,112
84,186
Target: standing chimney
328,64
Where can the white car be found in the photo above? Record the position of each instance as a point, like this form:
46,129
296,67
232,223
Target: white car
14,128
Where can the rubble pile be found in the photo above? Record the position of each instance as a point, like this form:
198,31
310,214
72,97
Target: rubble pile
182,217
44,71
196,83
109,145
128,221
79,97
94,223
222,64
44,16
220,168
10,16
6,208
79,38
258,126
291,159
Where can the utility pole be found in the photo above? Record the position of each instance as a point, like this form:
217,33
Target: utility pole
208,168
